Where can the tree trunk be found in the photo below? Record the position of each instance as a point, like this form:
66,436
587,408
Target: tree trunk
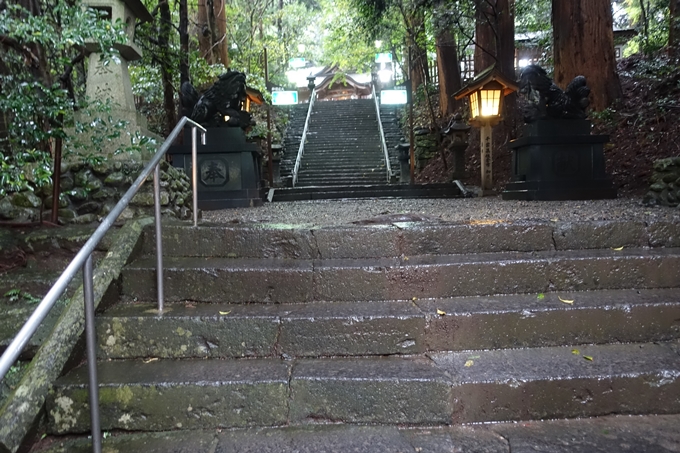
212,32
449,72
184,75
584,45
486,28
495,36
166,68
674,28
418,64
4,116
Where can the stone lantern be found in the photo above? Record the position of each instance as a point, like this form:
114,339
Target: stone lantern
111,82
459,132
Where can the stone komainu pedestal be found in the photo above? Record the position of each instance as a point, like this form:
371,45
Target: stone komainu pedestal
228,168
558,159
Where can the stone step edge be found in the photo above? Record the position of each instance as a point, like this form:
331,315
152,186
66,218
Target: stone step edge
280,280
394,236
316,329
440,389
606,433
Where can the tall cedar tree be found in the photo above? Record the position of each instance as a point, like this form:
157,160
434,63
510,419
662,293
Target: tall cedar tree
495,44
449,71
212,32
495,36
167,70
415,22
674,28
584,45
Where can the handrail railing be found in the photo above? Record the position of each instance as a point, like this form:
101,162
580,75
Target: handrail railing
382,136
304,137
83,259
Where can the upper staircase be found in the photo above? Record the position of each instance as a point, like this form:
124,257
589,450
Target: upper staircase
343,146
343,155
395,324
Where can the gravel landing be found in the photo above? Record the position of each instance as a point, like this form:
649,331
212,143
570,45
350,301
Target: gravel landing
339,212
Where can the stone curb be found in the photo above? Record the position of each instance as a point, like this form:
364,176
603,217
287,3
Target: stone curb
23,407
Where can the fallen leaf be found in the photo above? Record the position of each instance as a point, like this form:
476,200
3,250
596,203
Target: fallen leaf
618,249
153,359
224,313
554,219
485,222
415,298
575,351
406,258
469,363
588,358
566,301
441,312
541,296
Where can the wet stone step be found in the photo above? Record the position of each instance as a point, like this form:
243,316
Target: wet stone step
350,167
327,193
173,394
330,180
388,327
563,382
656,433
287,330
445,388
279,281
201,394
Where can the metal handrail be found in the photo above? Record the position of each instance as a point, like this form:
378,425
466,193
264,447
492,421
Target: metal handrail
382,136
83,259
304,137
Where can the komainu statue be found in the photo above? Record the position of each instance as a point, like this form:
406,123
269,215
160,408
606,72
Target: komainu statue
546,100
220,105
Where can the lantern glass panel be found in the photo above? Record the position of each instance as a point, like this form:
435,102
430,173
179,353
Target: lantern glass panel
474,105
490,100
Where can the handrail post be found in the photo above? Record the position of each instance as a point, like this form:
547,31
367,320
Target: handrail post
383,142
91,341
159,235
194,172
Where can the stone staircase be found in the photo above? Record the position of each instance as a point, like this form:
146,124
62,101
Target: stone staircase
299,335
343,146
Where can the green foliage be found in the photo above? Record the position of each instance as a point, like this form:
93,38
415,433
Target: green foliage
15,295
650,20
95,128
26,170
533,16
38,85
345,41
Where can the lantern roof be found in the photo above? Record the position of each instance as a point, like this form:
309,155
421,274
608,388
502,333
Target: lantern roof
255,96
139,10
490,74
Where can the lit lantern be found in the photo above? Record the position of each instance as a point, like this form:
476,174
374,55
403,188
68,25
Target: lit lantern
485,103
486,93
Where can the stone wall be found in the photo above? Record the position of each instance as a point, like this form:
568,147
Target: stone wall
90,191
425,147
665,188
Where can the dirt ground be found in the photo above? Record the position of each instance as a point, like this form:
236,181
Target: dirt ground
643,126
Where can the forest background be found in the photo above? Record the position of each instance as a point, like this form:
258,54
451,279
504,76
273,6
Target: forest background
43,64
